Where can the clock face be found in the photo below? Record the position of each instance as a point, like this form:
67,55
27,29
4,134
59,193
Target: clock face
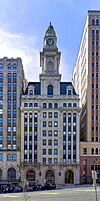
50,41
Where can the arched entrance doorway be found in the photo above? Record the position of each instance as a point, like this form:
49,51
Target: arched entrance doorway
50,176
11,174
69,177
30,175
0,173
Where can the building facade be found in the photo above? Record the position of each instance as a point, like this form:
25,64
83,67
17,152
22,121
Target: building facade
86,80
50,123
11,87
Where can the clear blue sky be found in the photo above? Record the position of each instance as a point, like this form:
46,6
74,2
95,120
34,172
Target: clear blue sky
22,27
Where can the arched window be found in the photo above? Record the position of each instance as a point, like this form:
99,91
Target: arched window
50,90
9,66
93,21
97,22
11,174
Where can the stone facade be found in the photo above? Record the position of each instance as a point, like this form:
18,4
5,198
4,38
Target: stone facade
11,85
50,123
86,80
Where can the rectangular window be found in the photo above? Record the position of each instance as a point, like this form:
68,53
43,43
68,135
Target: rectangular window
44,115
69,92
50,105
44,105
9,146
9,157
56,160
35,104
9,137
1,157
14,146
30,104
14,157
50,142
55,133
55,114
50,124
44,123
44,133
50,114
44,151
55,124
55,142
97,32
50,160
69,105
64,104
74,104
55,151
44,142
30,92
49,133
49,151
55,105
84,150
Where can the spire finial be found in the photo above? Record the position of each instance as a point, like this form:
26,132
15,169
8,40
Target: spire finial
50,24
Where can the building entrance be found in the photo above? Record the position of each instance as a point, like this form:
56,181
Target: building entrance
69,177
50,176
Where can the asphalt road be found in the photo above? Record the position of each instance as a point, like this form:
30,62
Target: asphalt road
69,194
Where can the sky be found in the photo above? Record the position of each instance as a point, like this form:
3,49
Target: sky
22,27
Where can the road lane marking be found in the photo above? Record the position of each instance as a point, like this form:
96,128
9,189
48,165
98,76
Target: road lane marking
10,196
48,193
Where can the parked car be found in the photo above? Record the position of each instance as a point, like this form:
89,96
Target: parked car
16,188
4,188
38,187
49,186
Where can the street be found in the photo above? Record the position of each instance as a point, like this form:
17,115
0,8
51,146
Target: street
69,194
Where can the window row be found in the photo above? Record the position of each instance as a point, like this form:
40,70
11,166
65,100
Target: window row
9,147
50,142
50,124
95,21
12,66
95,64
50,105
93,150
95,53
50,151
10,157
95,42
95,117
50,91
95,31
95,74
50,160
49,133
50,115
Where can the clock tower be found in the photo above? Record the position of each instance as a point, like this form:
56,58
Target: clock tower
50,61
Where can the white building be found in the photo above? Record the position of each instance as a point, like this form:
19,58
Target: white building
50,122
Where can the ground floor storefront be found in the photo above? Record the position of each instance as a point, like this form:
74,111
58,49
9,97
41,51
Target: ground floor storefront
57,174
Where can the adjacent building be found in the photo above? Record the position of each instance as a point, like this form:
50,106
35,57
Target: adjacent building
50,123
11,88
86,80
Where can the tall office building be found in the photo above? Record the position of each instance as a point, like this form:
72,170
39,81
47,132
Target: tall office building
11,87
86,79
50,121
